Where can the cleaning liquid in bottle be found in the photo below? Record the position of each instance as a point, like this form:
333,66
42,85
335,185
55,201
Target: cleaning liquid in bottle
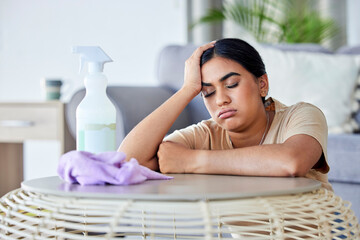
95,115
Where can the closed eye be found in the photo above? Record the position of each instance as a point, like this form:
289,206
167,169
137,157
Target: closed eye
233,85
208,94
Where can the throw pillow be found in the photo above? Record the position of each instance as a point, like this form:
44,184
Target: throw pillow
355,116
325,80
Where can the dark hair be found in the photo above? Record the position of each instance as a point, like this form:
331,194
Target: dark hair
238,51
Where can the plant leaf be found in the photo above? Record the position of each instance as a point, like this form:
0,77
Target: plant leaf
213,15
275,20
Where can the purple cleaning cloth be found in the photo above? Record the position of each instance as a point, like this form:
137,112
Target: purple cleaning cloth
104,168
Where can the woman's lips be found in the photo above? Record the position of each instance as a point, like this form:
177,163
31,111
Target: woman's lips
227,113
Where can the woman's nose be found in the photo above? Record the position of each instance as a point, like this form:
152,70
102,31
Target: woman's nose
222,98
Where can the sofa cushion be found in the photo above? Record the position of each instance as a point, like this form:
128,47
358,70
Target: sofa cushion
352,50
316,78
299,47
356,110
355,52
344,158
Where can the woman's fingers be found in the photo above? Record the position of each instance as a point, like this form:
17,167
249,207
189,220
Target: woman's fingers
200,50
192,79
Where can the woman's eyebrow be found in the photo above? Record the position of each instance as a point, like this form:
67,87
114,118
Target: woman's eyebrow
203,84
221,79
229,75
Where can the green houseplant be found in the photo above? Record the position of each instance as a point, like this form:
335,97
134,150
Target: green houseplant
275,21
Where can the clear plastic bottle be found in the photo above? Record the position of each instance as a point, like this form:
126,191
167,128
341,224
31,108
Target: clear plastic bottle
95,115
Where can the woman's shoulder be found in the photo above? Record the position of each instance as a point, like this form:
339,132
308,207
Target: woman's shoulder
297,108
200,129
206,134
300,115
208,126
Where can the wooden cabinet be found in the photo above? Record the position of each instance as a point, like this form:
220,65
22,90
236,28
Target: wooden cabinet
28,121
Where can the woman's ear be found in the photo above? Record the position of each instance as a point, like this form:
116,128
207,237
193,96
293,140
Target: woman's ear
263,85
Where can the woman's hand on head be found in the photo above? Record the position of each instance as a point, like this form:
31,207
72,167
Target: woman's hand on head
192,74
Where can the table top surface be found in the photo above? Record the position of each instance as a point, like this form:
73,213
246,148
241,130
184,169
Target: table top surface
182,187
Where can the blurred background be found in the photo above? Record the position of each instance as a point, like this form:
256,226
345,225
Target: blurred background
36,37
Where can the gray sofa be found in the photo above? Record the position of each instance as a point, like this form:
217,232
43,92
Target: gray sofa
134,103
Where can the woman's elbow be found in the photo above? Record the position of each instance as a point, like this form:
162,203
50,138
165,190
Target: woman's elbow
296,171
295,167
300,154
153,164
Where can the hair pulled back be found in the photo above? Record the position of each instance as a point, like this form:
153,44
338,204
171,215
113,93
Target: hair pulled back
238,51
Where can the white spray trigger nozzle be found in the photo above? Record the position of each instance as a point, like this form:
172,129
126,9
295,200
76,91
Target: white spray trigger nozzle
93,55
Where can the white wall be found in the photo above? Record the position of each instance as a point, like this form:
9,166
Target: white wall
353,20
36,37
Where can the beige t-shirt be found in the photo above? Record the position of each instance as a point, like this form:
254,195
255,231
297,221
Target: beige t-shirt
301,118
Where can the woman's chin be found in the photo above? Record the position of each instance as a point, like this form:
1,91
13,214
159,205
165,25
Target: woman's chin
230,126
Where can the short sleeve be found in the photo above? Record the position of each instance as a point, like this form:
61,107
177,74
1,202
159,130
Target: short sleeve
183,136
206,135
308,119
193,136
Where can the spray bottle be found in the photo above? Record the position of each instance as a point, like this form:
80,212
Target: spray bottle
95,115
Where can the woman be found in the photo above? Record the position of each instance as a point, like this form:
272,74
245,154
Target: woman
246,135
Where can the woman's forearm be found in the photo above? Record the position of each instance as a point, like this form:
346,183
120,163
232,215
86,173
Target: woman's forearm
286,159
143,141
267,160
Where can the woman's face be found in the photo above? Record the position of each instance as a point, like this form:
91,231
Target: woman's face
232,95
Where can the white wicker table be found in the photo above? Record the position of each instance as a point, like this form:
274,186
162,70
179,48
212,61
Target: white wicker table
186,207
